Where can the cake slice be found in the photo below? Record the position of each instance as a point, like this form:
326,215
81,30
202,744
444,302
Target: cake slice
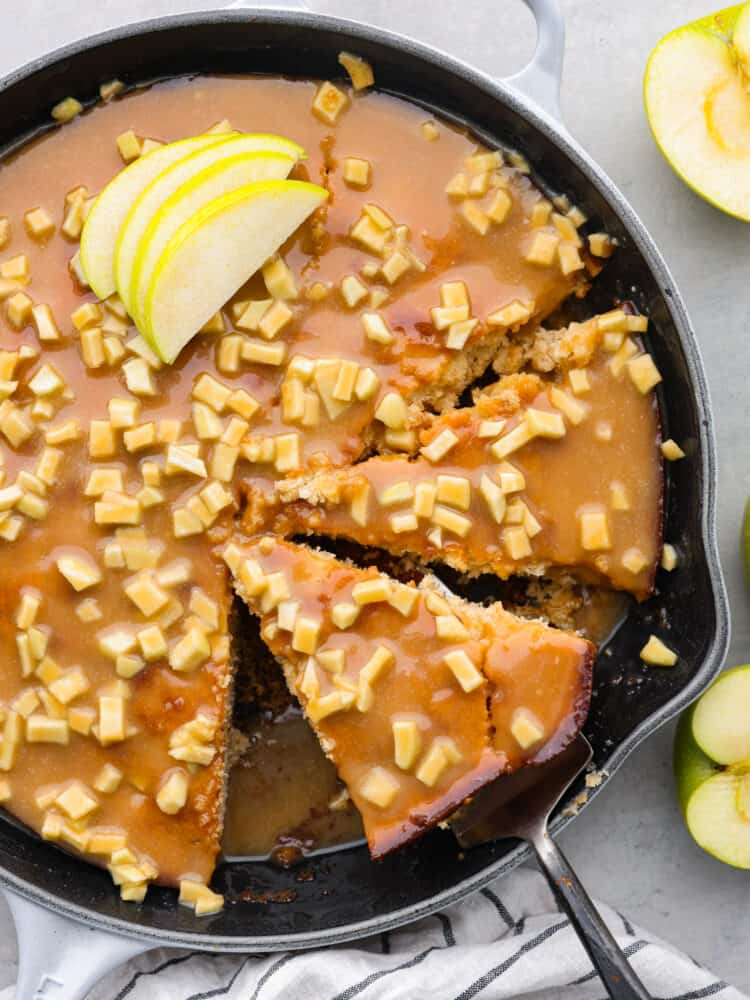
541,473
419,698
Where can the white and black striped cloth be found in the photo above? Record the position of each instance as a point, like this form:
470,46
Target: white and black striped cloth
508,940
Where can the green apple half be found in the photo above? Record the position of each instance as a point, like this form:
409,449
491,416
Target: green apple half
698,106
712,768
214,253
113,204
183,173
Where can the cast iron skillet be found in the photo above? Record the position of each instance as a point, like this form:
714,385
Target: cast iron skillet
85,928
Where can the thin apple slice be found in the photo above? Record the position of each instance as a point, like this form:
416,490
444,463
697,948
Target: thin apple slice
715,821
699,112
721,719
213,182
166,183
113,204
216,251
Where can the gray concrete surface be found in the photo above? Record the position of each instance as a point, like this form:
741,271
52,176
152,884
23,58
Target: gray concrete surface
630,848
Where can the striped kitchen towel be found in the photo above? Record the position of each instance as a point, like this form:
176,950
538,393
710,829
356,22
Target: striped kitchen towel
507,940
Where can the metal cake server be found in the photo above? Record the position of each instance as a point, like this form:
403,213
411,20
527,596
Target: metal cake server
519,806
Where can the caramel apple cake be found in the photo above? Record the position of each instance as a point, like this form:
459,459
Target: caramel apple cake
261,338
418,697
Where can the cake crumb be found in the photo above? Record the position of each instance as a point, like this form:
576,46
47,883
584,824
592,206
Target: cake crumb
574,807
595,778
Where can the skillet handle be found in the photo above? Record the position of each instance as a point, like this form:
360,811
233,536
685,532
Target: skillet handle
539,81
614,970
282,4
60,958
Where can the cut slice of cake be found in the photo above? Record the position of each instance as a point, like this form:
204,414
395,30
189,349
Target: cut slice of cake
419,698
541,473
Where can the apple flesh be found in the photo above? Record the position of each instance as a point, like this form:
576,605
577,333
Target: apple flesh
215,252
169,181
741,38
214,181
110,209
712,768
698,106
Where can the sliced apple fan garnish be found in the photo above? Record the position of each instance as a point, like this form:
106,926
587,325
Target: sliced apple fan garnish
108,212
216,251
698,106
712,767
179,191
179,231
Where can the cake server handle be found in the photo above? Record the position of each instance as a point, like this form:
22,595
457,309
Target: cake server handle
60,958
608,959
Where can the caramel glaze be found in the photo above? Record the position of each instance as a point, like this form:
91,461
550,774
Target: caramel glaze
563,478
409,175
525,665
160,700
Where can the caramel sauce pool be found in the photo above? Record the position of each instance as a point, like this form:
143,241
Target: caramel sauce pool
280,793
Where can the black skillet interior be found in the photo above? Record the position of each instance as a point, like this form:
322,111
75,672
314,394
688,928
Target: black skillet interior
347,888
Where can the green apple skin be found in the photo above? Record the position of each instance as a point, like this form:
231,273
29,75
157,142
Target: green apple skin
717,32
691,765
721,21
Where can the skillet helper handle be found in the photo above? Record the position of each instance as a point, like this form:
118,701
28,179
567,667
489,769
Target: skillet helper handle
60,958
613,968
281,4
539,81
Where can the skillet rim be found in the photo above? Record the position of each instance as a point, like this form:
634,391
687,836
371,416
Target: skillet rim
554,131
